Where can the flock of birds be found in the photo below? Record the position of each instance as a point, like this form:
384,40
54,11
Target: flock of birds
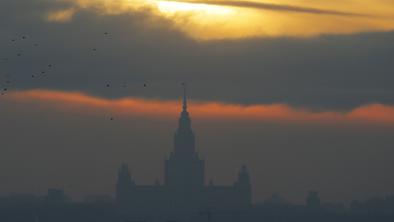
7,81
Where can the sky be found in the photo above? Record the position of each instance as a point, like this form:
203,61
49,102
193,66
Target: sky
300,91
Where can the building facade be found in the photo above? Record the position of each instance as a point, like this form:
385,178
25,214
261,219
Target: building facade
184,180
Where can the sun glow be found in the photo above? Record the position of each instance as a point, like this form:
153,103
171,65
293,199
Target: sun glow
233,19
175,7
205,21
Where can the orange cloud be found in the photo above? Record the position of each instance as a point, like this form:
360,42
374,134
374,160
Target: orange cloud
221,19
75,102
64,15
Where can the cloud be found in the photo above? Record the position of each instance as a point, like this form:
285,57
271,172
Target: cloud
85,104
209,20
278,7
64,15
332,72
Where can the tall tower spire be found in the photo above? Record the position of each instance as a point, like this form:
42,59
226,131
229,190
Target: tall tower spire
184,170
184,120
184,97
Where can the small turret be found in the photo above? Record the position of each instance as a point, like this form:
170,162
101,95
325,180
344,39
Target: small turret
244,185
124,184
243,177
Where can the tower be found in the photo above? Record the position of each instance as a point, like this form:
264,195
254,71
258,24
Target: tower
243,185
184,187
184,170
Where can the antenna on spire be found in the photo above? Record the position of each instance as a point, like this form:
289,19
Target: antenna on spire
184,96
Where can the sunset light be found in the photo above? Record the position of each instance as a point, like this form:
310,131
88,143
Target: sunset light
172,7
210,20
196,110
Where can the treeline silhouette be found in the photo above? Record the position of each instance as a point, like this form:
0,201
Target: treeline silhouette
56,207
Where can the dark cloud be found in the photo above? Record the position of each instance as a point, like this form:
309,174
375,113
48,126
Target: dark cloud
338,72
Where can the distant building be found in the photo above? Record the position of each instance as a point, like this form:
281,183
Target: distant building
313,199
20,198
184,180
275,199
55,196
98,199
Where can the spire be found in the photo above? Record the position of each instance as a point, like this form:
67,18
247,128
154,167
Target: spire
184,138
184,97
184,120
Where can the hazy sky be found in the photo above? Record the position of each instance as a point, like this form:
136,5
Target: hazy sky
300,91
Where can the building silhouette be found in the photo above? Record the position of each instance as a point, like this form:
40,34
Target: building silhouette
184,185
313,199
